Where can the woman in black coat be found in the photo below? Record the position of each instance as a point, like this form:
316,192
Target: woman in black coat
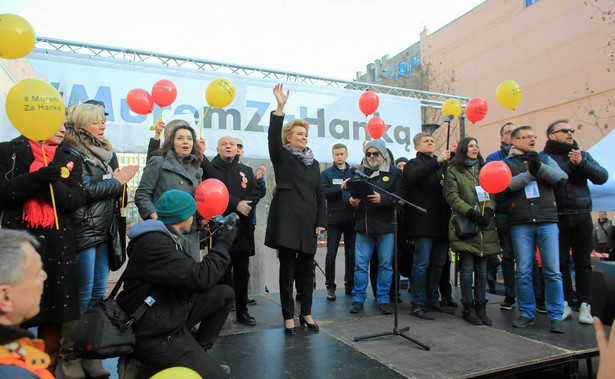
297,214
26,204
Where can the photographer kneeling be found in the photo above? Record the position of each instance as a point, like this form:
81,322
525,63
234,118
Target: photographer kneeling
184,291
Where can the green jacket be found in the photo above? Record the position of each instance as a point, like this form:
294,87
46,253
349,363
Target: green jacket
460,194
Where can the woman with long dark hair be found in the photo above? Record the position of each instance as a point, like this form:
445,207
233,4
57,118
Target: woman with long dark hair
177,167
297,214
467,199
25,175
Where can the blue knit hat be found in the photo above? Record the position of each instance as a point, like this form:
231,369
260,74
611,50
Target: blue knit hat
175,206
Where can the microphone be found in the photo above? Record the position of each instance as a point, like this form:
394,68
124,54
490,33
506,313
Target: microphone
355,171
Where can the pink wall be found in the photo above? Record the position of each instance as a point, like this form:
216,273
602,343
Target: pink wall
552,49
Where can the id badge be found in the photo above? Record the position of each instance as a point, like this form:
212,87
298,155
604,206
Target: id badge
338,182
107,176
531,190
482,194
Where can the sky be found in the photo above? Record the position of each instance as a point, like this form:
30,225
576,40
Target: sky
327,38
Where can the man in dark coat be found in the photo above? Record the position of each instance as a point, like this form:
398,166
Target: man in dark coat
184,292
574,205
340,220
244,194
423,177
373,225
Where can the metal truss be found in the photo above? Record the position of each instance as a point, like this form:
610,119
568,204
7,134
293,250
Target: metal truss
45,45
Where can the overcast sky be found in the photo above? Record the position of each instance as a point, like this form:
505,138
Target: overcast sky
331,38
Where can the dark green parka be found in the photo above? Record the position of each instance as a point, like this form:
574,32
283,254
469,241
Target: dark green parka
460,194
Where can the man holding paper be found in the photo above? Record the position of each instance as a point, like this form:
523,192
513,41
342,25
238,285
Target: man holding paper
373,224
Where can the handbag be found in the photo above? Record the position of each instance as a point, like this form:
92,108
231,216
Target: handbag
116,242
105,330
464,227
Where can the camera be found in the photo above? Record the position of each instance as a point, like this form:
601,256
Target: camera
603,292
217,221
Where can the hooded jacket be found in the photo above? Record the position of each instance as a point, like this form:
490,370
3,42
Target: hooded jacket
536,210
159,267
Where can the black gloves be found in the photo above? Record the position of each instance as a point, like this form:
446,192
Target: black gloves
533,162
225,236
486,218
473,215
49,174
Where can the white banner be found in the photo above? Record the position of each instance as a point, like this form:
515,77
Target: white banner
333,113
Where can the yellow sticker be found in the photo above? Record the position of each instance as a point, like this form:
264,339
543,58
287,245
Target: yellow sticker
244,179
385,179
65,172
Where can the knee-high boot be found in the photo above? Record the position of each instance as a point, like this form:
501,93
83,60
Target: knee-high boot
50,334
71,365
94,368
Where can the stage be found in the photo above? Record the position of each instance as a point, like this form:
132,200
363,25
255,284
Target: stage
458,349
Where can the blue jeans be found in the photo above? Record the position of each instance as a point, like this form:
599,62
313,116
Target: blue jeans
92,274
364,247
472,264
429,258
525,236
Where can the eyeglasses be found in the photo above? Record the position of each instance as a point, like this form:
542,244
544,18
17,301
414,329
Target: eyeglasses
507,133
374,154
527,137
565,130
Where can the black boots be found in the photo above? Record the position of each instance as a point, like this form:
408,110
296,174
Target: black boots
469,314
481,313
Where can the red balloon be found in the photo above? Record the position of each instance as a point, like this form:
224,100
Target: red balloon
368,102
140,101
376,127
476,109
495,177
164,93
211,198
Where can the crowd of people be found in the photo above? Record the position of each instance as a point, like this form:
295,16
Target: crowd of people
547,206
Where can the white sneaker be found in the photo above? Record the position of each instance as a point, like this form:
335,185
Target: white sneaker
585,316
567,311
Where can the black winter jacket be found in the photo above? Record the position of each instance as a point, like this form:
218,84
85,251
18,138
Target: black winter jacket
522,210
241,184
338,212
573,195
422,184
103,194
159,267
373,218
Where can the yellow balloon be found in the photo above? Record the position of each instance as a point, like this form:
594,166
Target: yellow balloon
16,36
509,94
451,108
220,93
177,373
35,109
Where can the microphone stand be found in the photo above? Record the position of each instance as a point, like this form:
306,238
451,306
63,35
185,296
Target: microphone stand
396,330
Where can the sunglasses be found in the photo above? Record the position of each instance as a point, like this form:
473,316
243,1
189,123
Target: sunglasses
565,130
527,137
374,154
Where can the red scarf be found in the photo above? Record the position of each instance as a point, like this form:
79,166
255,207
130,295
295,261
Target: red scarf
37,212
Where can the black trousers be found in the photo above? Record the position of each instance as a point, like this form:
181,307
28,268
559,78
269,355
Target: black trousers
237,275
297,267
334,234
575,232
181,348
446,290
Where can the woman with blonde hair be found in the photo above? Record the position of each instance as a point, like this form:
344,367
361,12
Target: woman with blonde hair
103,184
176,167
297,214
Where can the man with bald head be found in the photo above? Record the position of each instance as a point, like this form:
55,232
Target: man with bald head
244,194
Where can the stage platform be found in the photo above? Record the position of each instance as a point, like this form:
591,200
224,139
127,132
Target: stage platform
457,349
